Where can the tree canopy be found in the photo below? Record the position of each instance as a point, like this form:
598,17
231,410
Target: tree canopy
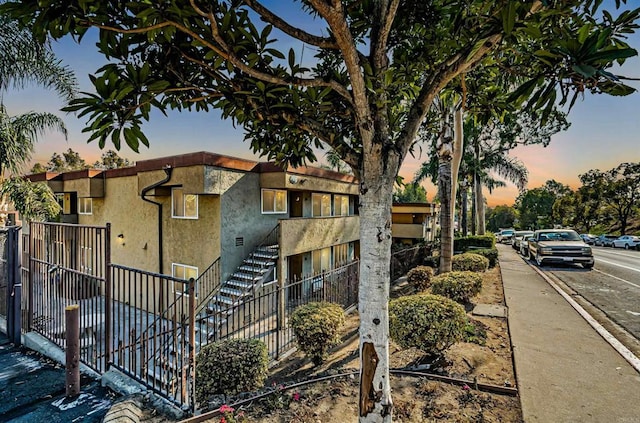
377,67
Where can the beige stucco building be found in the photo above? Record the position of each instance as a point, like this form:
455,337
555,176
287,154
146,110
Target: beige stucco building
177,215
414,222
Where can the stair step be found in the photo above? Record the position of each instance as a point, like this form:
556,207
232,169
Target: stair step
223,299
252,269
239,284
246,276
260,263
231,291
265,255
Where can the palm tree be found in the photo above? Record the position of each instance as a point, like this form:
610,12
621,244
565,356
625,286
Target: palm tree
18,135
24,60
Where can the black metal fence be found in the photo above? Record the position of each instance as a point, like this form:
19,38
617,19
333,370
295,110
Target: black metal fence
151,326
11,282
404,260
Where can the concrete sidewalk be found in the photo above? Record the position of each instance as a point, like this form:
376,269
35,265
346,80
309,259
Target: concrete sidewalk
566,372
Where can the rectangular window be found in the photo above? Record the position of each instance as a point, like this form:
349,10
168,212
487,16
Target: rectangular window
321,260
274,201
340,255
341,205
321,205
85,205
183,206
182,271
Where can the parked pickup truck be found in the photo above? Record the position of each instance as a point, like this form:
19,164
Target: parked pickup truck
559,246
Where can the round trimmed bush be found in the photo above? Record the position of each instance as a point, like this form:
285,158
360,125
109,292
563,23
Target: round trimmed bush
470,261
230,367
420,277
316,327
430,323
458,286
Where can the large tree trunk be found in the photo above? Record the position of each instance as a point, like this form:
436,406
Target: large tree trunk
464,202
480,207
449,156
375,245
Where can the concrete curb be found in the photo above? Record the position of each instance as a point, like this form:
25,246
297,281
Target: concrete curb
126,411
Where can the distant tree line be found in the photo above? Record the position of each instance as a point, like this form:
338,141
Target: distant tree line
607,201
70,160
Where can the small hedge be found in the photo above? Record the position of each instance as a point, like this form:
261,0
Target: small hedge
430,323
316,327
230,367
490,253
469,261
482,241
420,277
458,286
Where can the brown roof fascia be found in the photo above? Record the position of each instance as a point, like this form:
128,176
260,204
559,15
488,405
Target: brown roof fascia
199,158
43,177
267,167
80,174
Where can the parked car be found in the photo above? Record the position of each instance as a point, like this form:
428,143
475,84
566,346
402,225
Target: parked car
505,235
516,240
588,238
524,245
559,246
626,242
605,240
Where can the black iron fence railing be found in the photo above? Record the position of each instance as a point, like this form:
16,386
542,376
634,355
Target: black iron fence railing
150,326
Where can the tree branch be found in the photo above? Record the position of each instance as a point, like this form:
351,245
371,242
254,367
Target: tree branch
297,33
336,20
226,53
387,13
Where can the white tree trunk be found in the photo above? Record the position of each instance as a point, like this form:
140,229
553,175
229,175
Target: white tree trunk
481,208
375,250
450,156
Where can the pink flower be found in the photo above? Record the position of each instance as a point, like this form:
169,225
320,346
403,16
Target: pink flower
223,420
296,396
226,409
465,387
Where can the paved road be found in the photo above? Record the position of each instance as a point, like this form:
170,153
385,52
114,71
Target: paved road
613,286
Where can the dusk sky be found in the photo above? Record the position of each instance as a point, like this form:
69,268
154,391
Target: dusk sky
604,130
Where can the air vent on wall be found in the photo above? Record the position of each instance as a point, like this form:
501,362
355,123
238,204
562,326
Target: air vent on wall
239,242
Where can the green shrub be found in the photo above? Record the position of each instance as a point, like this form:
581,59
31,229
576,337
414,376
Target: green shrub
230,367
464,243
489,253
430,323
469,261
460,286
420,277
316,327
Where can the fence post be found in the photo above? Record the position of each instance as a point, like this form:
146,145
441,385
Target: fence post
72,350
192,343
279,317
32,272
108,327
14,286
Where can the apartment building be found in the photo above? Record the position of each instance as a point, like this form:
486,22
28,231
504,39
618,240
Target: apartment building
176,215
413,223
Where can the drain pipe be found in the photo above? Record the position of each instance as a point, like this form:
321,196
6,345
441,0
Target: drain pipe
168,170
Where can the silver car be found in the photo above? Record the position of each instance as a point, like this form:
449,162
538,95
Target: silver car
626,242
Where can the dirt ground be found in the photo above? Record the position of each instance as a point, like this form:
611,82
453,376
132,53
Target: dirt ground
416,398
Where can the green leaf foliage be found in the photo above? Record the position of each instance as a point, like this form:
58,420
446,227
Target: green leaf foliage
316,326
470,261
230,367
430,323
420,277
34,201
459,286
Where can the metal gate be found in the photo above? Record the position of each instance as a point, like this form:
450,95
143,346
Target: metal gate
68,264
